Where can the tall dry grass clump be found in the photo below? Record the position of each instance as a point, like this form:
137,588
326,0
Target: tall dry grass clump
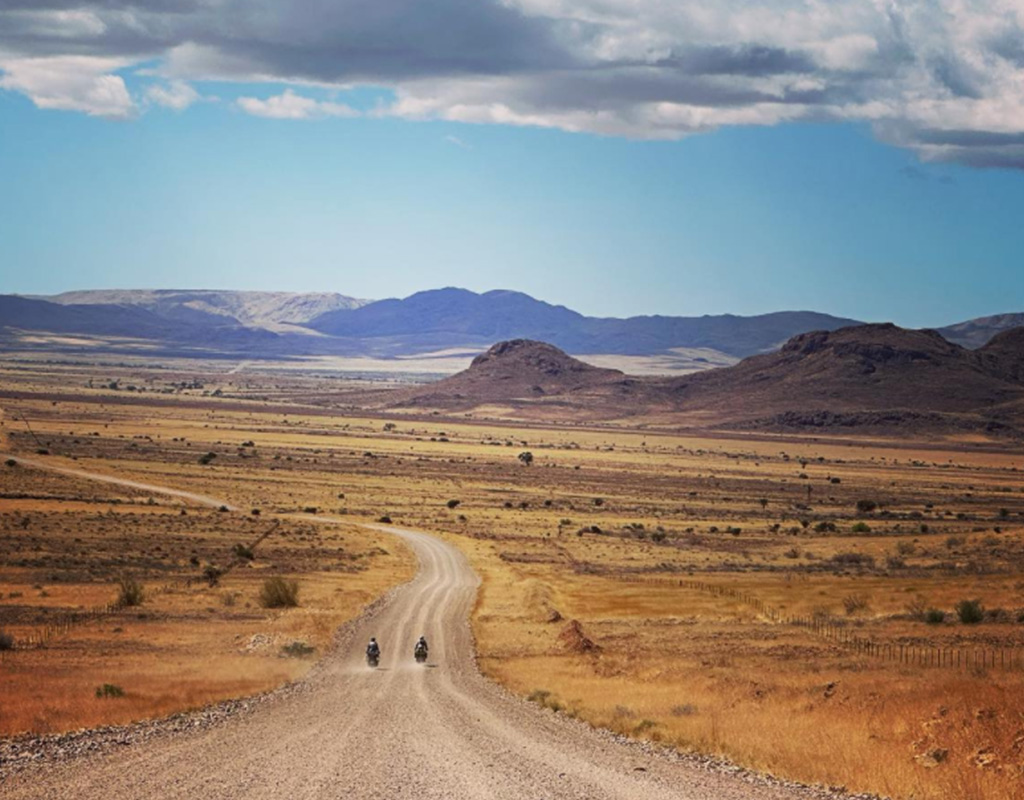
130,593
279,593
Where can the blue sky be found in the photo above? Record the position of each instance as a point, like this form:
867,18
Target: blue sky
170,171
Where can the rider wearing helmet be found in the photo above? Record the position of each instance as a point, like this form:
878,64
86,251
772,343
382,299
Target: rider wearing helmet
421,646
373,649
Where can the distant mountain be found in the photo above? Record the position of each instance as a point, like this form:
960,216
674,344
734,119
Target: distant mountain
975,333
276,311
127,322
865,377
101,319
445,318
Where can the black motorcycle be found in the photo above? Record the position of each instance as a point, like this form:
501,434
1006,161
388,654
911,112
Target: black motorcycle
420,654
372,658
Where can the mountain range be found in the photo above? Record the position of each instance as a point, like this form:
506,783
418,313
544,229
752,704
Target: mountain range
866,377
277,325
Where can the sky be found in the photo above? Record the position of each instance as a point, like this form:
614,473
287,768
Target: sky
861,157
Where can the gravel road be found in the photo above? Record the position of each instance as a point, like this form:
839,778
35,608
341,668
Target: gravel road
402,730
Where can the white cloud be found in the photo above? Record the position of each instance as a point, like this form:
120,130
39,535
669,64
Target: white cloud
945,77
177,95
289,105
70,83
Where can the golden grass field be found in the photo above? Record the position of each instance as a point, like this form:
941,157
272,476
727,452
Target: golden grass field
588,557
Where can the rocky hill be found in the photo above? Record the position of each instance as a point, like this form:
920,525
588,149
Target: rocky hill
512,371
868,377
846,378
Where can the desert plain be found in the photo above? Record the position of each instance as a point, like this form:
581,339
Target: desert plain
832,609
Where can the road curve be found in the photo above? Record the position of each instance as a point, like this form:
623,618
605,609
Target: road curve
400,731
181,494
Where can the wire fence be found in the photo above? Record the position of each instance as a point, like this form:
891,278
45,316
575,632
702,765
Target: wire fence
839,632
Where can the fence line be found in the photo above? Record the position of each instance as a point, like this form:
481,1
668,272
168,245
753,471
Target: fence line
825,626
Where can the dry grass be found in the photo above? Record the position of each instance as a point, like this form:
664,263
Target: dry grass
700,671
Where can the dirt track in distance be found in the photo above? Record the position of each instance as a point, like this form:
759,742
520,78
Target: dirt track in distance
402,730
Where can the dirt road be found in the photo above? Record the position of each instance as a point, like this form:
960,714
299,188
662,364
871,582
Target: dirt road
400,731
198,499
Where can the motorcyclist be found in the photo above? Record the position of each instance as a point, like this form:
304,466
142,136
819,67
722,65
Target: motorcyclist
373,649
421,646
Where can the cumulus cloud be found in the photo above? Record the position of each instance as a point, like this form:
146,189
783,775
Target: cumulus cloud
70,83
177,95
289,105
943,77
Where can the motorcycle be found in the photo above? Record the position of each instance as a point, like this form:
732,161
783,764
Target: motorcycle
420,654
372,659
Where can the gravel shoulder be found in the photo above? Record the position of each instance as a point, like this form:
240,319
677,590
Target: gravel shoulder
403,730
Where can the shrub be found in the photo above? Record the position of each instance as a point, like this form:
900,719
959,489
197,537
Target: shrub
916,608
934,616
453,504
129,593
243,551
854,603
109,690
297,650
861,527
385,519
970,612
11,462
206,458
526,457
279,593
212,574
853,559
865,506
6,640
